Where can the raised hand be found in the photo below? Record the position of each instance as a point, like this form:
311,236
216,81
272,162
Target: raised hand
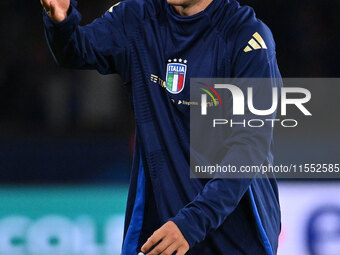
56,9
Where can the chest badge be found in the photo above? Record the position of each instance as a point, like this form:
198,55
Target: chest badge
176,70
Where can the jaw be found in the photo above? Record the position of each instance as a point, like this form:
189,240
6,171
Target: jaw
189,7
182,3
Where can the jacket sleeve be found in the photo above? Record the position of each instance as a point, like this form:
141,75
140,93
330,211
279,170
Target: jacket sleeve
247,146
101,45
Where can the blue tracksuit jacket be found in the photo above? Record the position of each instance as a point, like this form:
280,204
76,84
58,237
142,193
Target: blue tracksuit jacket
137,39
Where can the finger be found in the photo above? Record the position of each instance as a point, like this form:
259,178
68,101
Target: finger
155,238
162,246
52,7
171,249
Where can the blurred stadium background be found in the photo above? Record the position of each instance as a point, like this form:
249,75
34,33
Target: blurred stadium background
66,137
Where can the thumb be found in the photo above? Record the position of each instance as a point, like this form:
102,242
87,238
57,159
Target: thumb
57,12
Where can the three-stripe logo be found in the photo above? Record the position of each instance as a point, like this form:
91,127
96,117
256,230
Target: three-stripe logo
255,43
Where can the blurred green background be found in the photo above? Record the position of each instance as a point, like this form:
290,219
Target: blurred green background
62,220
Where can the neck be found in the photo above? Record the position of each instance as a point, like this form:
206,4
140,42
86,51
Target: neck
192,8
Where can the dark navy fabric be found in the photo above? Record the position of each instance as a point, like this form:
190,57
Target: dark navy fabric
136,222
137,39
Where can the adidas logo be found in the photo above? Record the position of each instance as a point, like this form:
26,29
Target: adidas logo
111,9
255,43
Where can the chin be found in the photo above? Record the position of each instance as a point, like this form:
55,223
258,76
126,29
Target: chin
179,2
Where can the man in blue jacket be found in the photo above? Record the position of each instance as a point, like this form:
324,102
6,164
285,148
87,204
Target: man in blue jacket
167,211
